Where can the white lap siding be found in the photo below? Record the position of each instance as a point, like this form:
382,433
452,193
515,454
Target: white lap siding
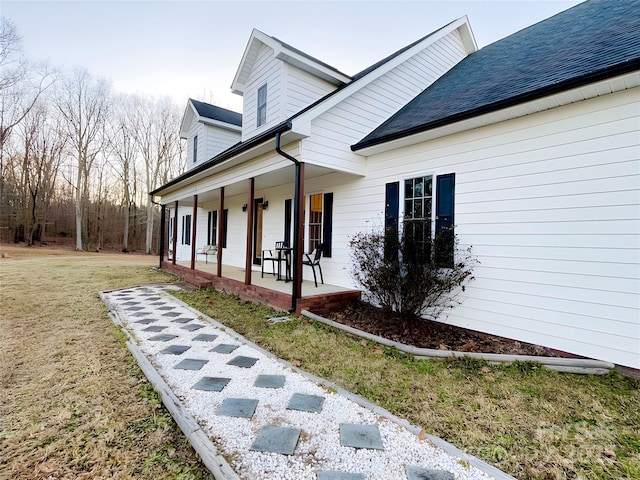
551,205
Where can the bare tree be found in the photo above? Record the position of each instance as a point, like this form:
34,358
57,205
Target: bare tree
84,104
159,142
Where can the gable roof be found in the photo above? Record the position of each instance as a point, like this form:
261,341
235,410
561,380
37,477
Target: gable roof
286,53
213,112
592,41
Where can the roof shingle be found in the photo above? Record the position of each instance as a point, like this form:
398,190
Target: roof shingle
217,113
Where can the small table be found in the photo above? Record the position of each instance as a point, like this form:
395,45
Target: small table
284,254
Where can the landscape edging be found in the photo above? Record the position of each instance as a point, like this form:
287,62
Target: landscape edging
582,366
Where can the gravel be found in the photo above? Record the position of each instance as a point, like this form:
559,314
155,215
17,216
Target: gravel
318,447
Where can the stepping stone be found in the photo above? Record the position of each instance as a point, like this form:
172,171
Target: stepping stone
175,349
211,384
237,407
163,337
418,473
134,309
154,328
332,475
182,320
171,314
270,381
360,436
156,303
224,348
191,364
306,403
166,308
205,337
140,314
276,439
192,327
131,303
244,362
146,321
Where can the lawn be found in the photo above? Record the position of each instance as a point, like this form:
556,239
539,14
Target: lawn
73,403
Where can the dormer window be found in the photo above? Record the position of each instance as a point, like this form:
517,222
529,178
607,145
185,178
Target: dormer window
195,149
262,105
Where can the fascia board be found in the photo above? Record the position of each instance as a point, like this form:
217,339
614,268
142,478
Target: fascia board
351,88
314,68
219,124
186,119
248,58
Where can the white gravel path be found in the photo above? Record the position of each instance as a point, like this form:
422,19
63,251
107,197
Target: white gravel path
318,448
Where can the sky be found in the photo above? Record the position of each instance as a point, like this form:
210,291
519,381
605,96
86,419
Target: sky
192,49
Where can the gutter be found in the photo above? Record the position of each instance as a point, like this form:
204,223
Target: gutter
583,366
296,219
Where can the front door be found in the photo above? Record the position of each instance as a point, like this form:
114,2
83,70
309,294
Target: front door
257,231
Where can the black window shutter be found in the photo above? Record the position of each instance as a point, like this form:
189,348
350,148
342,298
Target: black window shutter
225,218
327,227
287,220
445,203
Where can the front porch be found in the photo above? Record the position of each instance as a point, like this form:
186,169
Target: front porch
267,290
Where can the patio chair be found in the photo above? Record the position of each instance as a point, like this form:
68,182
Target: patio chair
207,250
313,261
280,253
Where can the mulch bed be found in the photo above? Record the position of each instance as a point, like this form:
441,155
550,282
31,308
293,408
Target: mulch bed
428,334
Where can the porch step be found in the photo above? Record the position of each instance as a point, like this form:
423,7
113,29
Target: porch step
197,281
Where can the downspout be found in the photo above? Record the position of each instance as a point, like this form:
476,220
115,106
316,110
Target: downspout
296,222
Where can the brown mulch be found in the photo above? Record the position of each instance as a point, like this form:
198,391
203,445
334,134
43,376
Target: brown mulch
428,334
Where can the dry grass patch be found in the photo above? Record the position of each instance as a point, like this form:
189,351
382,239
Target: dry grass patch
73,402
530,422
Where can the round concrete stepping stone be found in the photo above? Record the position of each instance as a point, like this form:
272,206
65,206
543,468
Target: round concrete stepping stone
418,473
192,327
154,328
333,475
191,364
237,407
175,349
205,337
360,436
244,362
270,381
276,439
306,403
211,384
224,348
182,320
163,337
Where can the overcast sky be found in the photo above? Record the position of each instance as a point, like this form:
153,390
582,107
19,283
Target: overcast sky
193,48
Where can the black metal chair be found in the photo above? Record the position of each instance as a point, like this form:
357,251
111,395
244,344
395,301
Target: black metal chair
313,261
276,256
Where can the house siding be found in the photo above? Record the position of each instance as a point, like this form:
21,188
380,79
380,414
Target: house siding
217,140
302,89
550,204
334,131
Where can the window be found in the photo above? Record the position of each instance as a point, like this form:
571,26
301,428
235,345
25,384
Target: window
321,222
262,105
171,227
186,230
195,149
418,197
212,230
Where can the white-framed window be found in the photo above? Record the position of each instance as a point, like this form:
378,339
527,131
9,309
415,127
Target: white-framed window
212,230
319,228
262,105
186,230
195,149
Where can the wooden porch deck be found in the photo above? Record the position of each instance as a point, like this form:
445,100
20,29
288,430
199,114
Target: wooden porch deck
269,290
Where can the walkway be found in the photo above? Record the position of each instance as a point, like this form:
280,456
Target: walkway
252,416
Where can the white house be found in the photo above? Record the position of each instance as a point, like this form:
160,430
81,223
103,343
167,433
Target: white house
529,146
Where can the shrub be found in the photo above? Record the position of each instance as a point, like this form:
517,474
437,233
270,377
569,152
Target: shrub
411,274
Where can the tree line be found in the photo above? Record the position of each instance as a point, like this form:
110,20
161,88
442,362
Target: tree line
77,159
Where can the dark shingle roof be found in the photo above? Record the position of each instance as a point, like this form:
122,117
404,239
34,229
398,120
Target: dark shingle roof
217,113
592,41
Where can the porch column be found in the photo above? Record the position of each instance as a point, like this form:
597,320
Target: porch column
221,232
194,221
298,233
175,235
163,221
248,261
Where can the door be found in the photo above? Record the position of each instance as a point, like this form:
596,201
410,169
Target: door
257,231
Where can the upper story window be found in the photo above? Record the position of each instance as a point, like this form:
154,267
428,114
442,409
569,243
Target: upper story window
262,105
195,149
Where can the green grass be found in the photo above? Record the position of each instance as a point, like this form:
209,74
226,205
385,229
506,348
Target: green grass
528,421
